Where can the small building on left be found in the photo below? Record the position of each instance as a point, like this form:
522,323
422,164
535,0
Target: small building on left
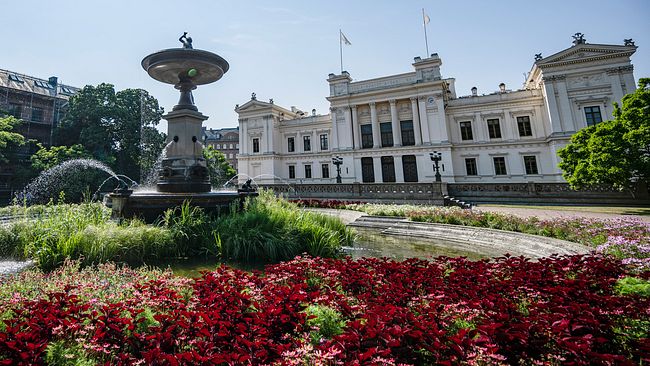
41,104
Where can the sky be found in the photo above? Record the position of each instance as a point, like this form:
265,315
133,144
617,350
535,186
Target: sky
285,49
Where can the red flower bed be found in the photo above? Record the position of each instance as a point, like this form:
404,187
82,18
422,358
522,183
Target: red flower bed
317,203
560,310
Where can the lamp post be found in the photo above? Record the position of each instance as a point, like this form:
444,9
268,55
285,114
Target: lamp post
337,160
436,157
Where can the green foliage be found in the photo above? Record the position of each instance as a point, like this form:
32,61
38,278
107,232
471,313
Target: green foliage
219,169
191,228
117,128
325,322
615,152
60,353
45,158
633,286
9,138
273,229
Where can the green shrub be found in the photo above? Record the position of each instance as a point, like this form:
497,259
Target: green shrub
325,321
632,286
60,354
190,227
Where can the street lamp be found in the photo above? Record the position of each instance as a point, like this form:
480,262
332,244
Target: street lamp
436,157
337,160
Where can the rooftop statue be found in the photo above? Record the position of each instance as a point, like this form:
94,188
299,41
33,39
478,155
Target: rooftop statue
628,42
579,38
186,41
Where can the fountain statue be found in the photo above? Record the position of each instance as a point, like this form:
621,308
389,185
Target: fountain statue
183,174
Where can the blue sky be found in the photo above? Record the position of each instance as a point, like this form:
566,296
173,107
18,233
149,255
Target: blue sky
285,49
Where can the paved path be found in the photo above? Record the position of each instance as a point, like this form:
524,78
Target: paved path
548,213
9,266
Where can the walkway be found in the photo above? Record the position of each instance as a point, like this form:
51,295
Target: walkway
550,212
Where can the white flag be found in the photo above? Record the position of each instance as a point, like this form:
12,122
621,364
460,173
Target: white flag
426,19
344,39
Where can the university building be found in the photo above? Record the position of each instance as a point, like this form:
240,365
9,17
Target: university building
386,129
225,140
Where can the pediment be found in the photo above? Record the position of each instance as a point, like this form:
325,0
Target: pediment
252,105
586,52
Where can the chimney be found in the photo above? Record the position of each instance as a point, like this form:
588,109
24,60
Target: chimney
502,87
313,112
474,91
53,80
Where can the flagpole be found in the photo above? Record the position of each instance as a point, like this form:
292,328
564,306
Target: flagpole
341,48
424,23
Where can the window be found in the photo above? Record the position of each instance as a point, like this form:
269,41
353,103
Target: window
523,124
218,146
231,147
387,169
530,162
466,131
292,172
37,114
66,90
408,137
386,130
256,145
324,145
410,168
16,78
500,165
15,110
470,166
325,169
231,156
593,116
308,171
306,140
291,145
42,84
366,136
236,146
493,128
367,170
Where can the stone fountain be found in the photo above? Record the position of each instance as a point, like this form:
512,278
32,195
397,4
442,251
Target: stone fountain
183,175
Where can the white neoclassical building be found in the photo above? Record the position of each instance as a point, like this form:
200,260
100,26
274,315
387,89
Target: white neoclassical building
384,129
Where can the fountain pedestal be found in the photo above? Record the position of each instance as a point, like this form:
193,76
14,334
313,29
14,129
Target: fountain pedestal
184,169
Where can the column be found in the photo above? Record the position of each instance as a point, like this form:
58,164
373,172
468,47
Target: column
376,164
356,129
399,169
394,120
270,131
444,132
509,130
243,137
347,131
615,81
479,129
356,171
334,135
376,137
416,121
551,104
424,121
565,107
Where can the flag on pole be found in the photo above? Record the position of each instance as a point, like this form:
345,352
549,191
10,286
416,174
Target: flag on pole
426,19
344,39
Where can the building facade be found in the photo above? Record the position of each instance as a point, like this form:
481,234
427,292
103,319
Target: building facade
225,140
41,104
386,129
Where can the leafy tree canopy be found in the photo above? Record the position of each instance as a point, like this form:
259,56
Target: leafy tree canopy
615,152
46,158
117,128
218,167
9,139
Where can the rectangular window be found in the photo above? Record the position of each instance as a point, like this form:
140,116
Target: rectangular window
307,171
466,131
16,78
306,140
325,169
593,116
386,130
367,170
291,144
408,136
366,136
500,165
387,169
494,129
15,110
523,124
410,168
37,114
256,145
292,172
324,145
470,166
530,162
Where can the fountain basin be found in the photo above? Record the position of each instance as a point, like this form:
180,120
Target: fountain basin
172,65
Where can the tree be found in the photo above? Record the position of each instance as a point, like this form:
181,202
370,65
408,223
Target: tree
116,128
45,158
615,152
9,139
218,167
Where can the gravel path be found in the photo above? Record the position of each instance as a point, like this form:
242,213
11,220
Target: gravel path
551,213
